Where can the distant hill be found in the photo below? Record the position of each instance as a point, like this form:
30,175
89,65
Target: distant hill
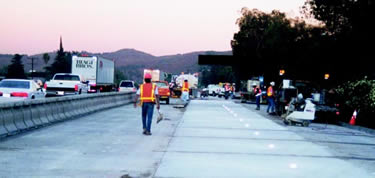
131,61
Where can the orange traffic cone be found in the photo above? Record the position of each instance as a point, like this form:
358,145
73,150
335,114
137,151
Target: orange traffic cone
352,120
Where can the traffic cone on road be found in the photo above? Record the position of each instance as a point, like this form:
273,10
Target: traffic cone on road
352,120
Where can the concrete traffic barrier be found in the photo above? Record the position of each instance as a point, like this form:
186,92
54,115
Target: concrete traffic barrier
35,116
90,104
48,105
55,111
42,112
98,103
66,108
18,115
81,106
21,115
3,130
76,103
27,116
8,118
60,108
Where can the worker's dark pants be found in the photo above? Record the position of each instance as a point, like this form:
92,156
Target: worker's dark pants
271,104
147,111
258,101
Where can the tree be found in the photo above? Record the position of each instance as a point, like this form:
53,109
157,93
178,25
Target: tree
16,68
359,95
62,63
270,41
119,75
347,22
46,58
4,71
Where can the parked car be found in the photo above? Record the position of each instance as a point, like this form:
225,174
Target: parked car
163,89
127,85
20,88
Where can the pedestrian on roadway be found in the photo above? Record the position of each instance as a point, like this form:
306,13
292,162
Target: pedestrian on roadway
185,91
271,98
233,90
258,94
148,94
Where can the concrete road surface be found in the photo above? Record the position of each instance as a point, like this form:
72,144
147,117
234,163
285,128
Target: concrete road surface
212,138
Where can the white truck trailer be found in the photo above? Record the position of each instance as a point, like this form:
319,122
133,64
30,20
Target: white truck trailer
98,71
156,74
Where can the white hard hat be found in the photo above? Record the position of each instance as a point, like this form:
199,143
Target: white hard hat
300,96
272,83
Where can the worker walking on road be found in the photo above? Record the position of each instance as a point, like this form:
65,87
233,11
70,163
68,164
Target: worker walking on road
271,98
148,94
185,91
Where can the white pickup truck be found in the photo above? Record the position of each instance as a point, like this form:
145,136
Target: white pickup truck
65,84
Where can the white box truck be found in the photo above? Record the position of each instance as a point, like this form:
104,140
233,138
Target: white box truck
156,74
98,71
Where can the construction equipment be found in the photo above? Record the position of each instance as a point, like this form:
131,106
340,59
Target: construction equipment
302,114
193,84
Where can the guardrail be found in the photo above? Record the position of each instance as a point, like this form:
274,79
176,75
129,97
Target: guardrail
25,115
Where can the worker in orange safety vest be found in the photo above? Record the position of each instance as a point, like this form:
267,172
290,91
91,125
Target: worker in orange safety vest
185,91
148,94
271,98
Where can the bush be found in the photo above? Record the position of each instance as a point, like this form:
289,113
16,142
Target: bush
359,95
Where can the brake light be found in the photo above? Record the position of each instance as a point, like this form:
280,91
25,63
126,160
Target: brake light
93,85
1,94
19,94
337,113
134,89
45,86
75,87
118,88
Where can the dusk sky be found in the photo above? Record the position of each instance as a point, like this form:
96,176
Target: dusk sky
158,27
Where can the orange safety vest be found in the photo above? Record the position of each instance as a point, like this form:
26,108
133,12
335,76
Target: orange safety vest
227,88
270,91
147,93
185,86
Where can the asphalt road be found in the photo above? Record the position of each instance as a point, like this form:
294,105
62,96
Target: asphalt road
212,138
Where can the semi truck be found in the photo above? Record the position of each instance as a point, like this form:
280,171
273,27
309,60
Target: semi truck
98,71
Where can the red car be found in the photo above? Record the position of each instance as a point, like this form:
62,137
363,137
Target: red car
164,92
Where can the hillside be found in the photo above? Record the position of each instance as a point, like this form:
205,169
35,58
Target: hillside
131,61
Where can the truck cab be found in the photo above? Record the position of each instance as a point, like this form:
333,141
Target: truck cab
163,89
